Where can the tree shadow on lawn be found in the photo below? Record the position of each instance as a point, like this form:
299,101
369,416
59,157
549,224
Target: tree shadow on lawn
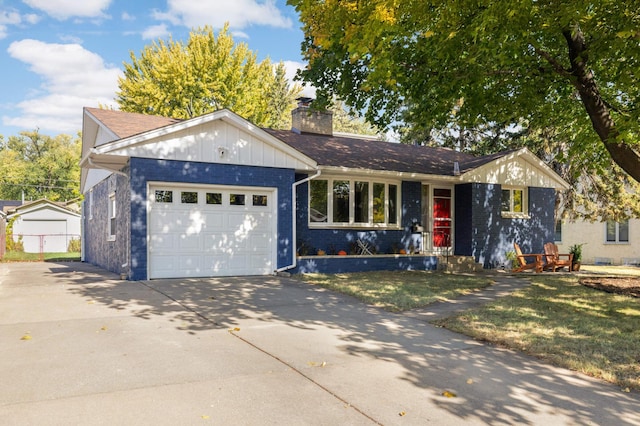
493,386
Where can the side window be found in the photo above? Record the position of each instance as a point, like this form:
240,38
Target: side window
617,232
557,237
91,204
112,217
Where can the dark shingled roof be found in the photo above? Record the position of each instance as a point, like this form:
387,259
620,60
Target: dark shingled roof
375,155
126,124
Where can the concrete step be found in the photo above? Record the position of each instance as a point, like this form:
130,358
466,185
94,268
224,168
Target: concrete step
458,264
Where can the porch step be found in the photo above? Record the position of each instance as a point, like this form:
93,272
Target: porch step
458,264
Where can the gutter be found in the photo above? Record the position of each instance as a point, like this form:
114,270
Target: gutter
97,166
294,209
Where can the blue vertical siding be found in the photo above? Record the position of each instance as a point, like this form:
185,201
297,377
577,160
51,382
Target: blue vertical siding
482,232
145,170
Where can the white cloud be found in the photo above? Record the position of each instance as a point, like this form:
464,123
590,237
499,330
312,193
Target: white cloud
155,32
73,77
239,13
12,17
292,68
64,9
127,17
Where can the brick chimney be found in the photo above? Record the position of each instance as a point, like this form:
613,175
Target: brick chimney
303,120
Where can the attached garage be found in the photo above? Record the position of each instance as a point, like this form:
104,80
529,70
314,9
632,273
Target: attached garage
204,231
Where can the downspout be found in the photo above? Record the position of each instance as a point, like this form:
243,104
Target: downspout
125,265
294,209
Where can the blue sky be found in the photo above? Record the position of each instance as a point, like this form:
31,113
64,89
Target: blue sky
57,56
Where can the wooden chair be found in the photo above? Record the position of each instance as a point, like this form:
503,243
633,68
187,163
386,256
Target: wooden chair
522,260
553,258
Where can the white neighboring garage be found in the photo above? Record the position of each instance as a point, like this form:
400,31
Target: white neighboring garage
45,226
203,231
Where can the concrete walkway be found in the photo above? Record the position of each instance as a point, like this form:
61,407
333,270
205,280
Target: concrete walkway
80,347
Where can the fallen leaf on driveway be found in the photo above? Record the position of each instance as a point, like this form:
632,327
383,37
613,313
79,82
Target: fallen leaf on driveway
449,394
234,329
26,337
402,413
469,381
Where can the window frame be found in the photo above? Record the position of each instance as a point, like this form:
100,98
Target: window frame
355,182
558,228
616,232
112,212
511,213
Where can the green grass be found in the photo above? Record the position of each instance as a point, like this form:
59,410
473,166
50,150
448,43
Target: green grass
399,291
565,323
15,256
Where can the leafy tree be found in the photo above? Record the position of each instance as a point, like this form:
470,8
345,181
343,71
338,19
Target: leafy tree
349,122
40,166
571,66
207,73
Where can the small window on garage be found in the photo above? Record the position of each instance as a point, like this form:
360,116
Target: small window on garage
214,198
189,197
112,217
236,199
163,196
259,200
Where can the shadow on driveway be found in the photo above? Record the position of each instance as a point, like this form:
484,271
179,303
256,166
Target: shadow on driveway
372,357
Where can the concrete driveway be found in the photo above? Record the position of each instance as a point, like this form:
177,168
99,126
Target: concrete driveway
80,347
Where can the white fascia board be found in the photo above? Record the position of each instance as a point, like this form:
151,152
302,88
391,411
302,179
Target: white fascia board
224,115
387,174
42,204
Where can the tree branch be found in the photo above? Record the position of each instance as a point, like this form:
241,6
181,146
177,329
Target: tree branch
584,81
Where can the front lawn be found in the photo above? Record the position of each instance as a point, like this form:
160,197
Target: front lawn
565,323
16,256
399,290
555,319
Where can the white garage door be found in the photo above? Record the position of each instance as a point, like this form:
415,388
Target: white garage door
197,231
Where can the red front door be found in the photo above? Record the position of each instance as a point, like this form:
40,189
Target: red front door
441,217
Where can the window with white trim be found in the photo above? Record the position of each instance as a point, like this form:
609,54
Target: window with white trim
617,232
557,234
90,204
514,202
353,202
112,217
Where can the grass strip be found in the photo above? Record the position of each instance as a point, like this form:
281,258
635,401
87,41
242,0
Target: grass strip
565,323
398,291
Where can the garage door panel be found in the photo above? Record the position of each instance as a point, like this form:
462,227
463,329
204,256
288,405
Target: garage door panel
191,265
188,240
191,242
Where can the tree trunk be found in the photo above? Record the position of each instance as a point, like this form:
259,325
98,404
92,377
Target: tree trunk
621,153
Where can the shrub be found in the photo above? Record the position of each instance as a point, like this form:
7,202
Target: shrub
74,245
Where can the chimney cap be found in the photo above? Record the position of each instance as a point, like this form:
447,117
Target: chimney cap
304,101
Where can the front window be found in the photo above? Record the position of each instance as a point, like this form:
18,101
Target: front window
341,192
343,202
318,201
513,202
617,232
